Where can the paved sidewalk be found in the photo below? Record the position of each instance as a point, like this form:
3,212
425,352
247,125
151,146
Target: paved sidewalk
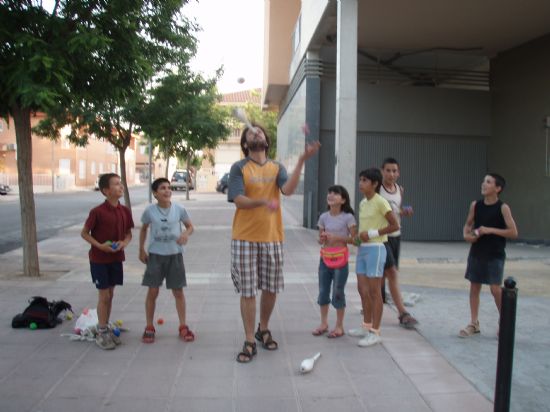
42,371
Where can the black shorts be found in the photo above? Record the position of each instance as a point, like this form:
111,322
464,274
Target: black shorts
487,271
393,248
106,275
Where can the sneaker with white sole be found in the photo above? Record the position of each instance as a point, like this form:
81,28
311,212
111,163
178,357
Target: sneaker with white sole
369,340
115,338
104,340
358,332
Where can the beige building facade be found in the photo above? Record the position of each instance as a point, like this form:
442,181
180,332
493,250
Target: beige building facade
61,166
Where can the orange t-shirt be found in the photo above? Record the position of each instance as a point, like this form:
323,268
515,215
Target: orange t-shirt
257,181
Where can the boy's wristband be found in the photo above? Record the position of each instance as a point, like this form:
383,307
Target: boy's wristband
373,233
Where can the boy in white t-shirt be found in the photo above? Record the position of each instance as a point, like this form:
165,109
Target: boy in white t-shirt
165,259
393,193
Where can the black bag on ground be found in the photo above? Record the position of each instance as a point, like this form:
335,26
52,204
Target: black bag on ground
43,313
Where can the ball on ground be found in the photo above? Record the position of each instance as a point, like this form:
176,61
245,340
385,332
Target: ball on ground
160,321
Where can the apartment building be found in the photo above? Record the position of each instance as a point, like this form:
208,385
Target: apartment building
451,89
59,166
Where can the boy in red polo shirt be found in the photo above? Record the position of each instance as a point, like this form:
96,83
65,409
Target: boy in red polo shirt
109,230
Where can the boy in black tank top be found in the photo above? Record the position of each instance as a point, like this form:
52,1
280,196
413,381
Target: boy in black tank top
488,225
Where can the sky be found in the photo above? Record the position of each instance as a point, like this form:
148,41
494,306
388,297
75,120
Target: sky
233,36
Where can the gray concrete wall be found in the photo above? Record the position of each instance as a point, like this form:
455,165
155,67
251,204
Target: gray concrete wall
414,110
520,101
438,135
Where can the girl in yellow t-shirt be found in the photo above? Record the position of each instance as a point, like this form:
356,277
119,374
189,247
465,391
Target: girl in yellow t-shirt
376,220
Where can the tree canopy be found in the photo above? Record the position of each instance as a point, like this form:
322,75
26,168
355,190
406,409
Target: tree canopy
183,117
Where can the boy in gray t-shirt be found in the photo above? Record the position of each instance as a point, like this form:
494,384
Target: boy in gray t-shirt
164,260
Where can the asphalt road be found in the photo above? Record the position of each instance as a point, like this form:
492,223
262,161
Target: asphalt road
54,211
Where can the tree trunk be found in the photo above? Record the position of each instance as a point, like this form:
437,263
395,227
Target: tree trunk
188,164
122,158
167,158
23,137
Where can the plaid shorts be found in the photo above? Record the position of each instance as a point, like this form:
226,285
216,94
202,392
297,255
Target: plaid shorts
256,265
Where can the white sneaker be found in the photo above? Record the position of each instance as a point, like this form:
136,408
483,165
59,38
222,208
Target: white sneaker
369,340
358,332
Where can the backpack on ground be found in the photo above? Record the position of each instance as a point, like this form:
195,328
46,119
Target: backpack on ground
41,312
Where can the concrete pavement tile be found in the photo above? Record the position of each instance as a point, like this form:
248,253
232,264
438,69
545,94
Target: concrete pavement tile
17,386
142,403
41,368
137,385
324,404
266,386
458,402
404,348
260,403
205,367
359,367
73,403
396,401
265,364
438,383
200,405
203,387
424,364
314,385
383,384
91,385
215,352
95,367
18,402
165,348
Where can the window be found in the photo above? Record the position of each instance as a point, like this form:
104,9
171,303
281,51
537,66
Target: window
92,168
296,34
82,169
113,168
65,167
101,168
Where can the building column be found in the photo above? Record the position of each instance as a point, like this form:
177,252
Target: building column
346,96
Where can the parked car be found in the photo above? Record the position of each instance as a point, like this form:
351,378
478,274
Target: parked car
222,184
179,181
4,189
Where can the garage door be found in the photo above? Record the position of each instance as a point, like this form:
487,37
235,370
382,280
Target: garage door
441,176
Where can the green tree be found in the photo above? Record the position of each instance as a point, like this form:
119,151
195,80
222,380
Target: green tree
144,38
268,119
183,117
38,57
85,63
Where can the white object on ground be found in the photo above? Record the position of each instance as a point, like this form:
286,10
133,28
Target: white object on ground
410,299
308,364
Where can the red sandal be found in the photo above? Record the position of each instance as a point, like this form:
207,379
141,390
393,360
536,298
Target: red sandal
148,335
185,334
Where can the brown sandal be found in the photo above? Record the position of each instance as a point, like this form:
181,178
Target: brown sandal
248,352
264,336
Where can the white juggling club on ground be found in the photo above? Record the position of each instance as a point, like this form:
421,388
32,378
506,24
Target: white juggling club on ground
307,364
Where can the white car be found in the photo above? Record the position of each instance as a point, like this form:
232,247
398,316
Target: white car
179,181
